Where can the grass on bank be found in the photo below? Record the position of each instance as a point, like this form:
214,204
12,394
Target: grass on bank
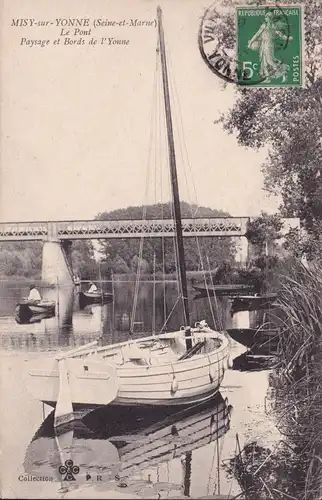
294,469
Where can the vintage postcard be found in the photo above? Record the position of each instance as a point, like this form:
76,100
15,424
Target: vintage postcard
160,236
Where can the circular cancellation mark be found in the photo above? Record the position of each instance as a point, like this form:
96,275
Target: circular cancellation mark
254,45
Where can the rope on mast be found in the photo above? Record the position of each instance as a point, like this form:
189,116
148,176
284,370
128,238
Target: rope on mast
173,171
137,281
185,160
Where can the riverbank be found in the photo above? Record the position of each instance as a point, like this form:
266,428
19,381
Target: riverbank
298,384
293,468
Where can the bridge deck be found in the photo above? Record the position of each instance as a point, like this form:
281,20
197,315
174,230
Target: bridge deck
95,229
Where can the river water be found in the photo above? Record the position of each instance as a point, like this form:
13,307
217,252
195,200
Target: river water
124,454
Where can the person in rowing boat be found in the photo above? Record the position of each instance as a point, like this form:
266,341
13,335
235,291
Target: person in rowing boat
93,288
34,293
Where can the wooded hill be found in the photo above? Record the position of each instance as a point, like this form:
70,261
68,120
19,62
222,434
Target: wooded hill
121,255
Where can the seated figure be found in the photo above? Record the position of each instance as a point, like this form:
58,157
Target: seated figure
92,288
34,293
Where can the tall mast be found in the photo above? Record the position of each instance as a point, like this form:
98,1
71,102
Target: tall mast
174,177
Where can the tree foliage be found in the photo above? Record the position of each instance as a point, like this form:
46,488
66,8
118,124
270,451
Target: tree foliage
122,255
83,259
289,122
213,250
24,258
21,259
265,228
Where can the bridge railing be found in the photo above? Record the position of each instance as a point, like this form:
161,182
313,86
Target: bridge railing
16,231
151,228
95,229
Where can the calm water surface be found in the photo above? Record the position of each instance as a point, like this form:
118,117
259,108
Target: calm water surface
147,454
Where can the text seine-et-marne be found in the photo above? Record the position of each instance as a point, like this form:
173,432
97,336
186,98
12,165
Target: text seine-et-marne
64,22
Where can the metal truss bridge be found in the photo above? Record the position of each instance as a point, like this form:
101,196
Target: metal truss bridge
96,229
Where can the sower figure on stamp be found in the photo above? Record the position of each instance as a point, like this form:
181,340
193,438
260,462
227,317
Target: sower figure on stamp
263,41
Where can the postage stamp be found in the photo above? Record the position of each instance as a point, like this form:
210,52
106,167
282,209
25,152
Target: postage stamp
254,45
269,45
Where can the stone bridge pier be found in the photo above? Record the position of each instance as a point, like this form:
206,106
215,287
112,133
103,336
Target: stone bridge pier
57,263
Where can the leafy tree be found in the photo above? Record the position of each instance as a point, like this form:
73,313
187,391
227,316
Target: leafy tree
119,265
289,122
21,258
144,265
212,249
263,230
24,258
83,259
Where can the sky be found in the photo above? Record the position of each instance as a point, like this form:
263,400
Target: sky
76,118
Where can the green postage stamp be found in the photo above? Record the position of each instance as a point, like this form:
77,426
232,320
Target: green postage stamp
269,45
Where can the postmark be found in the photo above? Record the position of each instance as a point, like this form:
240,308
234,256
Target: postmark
254,45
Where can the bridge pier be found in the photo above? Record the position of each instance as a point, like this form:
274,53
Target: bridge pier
64,298
56,263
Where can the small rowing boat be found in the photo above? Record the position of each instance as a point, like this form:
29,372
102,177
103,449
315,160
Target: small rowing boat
88,298
255,337
252,302
29,307
223,289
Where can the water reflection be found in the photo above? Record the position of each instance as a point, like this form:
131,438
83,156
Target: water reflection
71,326
122,444
248,361
28,318
157,454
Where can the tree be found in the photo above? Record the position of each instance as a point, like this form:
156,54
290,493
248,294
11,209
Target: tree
119,265
289,122
24,258
264,230
21,258
136,263
214,250
83,259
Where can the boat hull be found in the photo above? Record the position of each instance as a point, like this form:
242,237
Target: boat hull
252,303
91,381
143,403
222,290
28,308
255,338
86,298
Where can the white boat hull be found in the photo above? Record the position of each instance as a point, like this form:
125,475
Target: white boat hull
92,378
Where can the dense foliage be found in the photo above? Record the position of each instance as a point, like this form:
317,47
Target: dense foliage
122,254
83,259
23,259
264,229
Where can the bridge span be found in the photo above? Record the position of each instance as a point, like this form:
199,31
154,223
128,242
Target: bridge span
97,229
57,236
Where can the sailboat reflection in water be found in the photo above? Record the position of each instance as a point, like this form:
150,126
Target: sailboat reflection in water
118,443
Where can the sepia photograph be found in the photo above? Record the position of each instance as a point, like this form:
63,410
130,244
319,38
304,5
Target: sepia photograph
160,249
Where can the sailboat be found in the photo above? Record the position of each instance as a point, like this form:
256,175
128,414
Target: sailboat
177,368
